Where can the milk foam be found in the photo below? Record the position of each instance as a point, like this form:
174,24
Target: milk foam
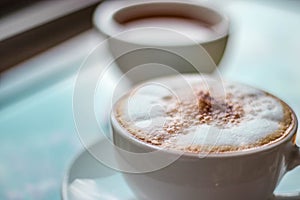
152,112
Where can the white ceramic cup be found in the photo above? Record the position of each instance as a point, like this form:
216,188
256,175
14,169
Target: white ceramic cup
134,47
248,175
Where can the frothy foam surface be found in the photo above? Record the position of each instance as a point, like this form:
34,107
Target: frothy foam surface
199,114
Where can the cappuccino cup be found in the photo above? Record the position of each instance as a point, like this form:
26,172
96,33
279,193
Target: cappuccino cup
194,137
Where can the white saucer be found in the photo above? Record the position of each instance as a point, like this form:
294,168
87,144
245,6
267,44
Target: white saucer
88,179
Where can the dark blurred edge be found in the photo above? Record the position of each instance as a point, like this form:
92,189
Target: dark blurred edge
29,43
8,6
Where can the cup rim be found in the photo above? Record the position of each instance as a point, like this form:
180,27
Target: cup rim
292,130
105,22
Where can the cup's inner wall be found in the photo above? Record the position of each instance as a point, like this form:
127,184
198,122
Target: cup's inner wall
174,10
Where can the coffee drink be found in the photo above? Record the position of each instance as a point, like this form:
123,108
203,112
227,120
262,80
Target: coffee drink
192,28
215,139
197,114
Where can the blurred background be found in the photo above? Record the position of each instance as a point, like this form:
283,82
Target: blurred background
44,43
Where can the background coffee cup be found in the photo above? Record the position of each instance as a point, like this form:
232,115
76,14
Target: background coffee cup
152,46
